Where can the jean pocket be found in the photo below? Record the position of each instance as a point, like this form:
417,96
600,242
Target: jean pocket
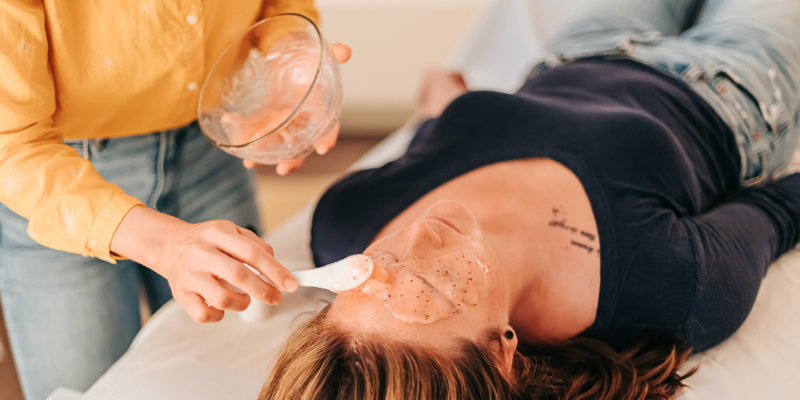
755,137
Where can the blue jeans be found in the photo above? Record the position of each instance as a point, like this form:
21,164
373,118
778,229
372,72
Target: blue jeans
741,56
70,317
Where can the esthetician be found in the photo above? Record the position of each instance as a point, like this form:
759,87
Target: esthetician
106,182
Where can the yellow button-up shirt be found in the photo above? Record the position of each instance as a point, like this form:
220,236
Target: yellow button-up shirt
100,69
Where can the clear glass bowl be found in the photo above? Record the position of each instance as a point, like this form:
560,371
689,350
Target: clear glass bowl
273,93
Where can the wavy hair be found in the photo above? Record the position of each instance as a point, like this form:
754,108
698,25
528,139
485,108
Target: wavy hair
322,361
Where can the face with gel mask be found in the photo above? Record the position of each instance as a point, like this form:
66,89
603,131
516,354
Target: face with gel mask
433,281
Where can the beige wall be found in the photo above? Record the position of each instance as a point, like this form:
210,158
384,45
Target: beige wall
393,42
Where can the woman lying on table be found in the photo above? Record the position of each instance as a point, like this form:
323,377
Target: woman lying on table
577,239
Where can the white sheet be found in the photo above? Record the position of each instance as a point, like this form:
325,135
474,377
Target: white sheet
173,358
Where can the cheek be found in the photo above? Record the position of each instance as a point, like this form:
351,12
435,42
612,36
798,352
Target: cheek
462,276
412,301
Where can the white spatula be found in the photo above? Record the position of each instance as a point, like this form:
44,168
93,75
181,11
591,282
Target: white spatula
341,276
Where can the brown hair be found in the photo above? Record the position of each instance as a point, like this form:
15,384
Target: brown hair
322,361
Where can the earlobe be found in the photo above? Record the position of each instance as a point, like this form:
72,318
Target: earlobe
508,347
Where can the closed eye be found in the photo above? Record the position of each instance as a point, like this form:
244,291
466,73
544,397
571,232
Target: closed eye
425,281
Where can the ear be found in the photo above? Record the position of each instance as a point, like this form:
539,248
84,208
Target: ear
508,346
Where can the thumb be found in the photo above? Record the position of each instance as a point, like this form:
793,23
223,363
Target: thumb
249,164
341,52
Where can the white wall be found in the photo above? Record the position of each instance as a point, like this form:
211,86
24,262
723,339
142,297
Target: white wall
393,42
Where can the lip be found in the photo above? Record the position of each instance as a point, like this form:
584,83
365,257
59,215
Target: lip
445,221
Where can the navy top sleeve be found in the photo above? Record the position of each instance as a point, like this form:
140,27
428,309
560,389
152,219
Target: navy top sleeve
734,243
684,247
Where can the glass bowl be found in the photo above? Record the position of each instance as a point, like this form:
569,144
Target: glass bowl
273,93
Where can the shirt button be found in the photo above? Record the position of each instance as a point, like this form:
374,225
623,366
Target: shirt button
191,19
192,86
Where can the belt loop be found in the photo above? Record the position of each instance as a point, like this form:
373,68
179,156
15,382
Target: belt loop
692,73
552,60
160,170
85,143
765,175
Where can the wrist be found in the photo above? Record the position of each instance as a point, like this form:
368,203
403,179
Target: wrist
142,236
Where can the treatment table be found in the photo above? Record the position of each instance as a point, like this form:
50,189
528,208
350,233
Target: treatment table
174,358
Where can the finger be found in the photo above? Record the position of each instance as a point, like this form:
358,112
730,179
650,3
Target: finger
341,52
288,166
252,236
459,77
269,266
249,164
230,118
197,309
254,253
329,140
219,297
289,286
237,274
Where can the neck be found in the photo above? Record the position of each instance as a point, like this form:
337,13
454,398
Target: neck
530,271
552,285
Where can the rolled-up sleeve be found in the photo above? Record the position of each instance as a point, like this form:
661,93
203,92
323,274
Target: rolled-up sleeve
68,205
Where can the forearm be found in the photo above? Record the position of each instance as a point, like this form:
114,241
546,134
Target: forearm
733,245
140,236
69,206
741,237
780,203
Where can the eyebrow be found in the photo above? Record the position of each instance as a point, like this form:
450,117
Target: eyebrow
425,281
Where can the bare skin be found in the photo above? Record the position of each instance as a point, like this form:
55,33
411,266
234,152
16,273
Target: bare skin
533,227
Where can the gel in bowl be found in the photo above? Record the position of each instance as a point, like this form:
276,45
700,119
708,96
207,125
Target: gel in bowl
273,93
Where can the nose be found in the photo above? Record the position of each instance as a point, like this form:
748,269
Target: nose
421,240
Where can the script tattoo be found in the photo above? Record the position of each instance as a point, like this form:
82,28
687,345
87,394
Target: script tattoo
590,249
560,221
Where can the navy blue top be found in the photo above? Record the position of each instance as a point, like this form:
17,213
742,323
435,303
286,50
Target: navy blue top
684,246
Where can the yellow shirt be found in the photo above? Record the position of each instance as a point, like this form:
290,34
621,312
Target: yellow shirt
100,69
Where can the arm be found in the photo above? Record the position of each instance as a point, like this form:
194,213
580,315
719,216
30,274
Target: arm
71,208
68,205
756,224
734,244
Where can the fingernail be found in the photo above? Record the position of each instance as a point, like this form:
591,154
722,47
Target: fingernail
321,150
281,170
290,284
